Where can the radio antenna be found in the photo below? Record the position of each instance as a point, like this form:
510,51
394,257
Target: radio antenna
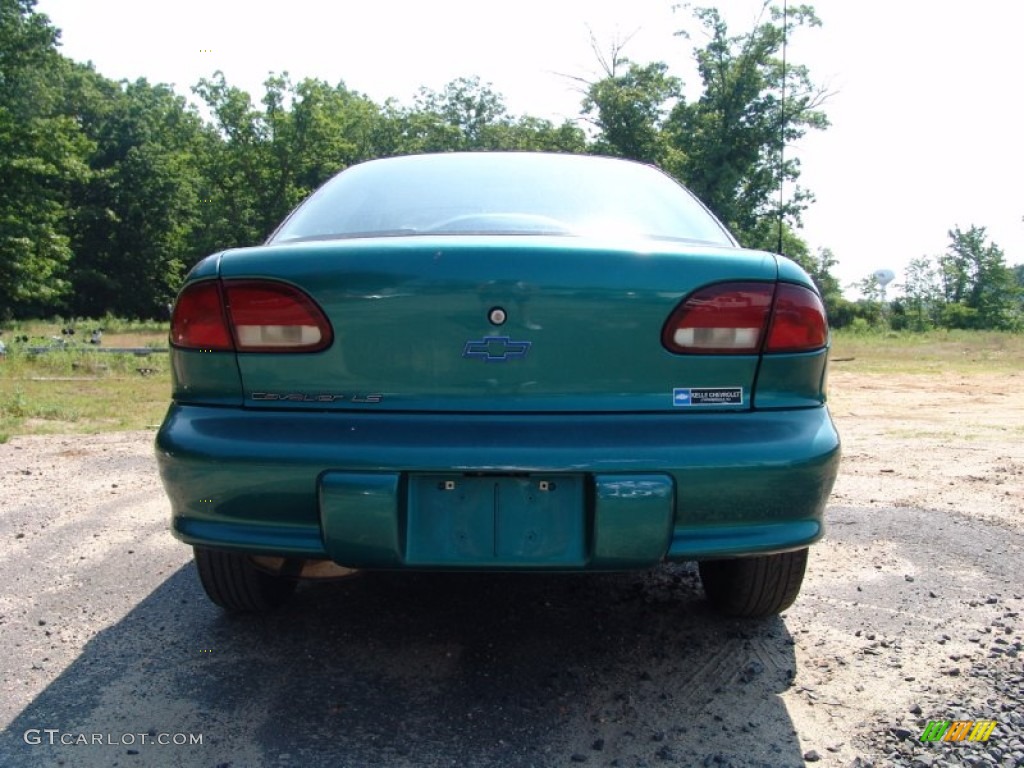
782,120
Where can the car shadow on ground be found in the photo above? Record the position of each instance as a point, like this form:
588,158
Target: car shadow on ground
425,670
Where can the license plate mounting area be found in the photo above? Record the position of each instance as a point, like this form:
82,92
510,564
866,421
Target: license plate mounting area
496,520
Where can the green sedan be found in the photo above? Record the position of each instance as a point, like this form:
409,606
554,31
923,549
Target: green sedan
499,361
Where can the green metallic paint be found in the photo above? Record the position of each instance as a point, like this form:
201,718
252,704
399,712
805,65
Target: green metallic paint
791,272
403,310
791,381
459,521
496,521
299,541
633,517
592,401
359,516
205,377
206,268
714,542
248,480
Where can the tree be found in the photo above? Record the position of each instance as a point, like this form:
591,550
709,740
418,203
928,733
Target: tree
730,141
333,128
978,288
629,109
135,219
236,162
468,115
870,289
922,294
41,163
539,135
458,117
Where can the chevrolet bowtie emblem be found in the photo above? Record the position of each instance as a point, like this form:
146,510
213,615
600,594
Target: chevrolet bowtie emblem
496,349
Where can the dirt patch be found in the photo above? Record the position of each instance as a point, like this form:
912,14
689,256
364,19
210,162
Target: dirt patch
945,442
914,597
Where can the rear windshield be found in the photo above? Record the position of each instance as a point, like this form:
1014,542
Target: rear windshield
502,193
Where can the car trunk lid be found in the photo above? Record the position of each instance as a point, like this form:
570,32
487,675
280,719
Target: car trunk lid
497,324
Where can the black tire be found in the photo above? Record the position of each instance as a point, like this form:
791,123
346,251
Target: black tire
754,586
235,584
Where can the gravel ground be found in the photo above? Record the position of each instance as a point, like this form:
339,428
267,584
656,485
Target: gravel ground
910,613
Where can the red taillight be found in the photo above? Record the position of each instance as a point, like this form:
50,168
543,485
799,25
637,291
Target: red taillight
198,321
250,316
731,318
798,321
728,318
275,317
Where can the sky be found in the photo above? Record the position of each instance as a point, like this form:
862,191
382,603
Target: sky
925,111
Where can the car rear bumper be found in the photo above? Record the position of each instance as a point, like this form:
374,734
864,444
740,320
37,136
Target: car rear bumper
626,490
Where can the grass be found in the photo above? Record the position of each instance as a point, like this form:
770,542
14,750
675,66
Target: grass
84,326
928,353
78,389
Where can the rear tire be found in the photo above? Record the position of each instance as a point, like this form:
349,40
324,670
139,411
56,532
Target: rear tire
235,584
754,586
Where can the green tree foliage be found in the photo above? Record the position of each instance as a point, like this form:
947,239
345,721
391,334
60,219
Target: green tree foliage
241,198
459,117
136,217
468,115
730,141
538,135
978,288
728,144
871,289
112,190
332,128
40,163
922,299
969,286
629,110
259,163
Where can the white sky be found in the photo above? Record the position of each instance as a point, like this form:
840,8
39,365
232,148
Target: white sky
926,121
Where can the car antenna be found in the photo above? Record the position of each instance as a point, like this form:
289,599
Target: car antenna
782,121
